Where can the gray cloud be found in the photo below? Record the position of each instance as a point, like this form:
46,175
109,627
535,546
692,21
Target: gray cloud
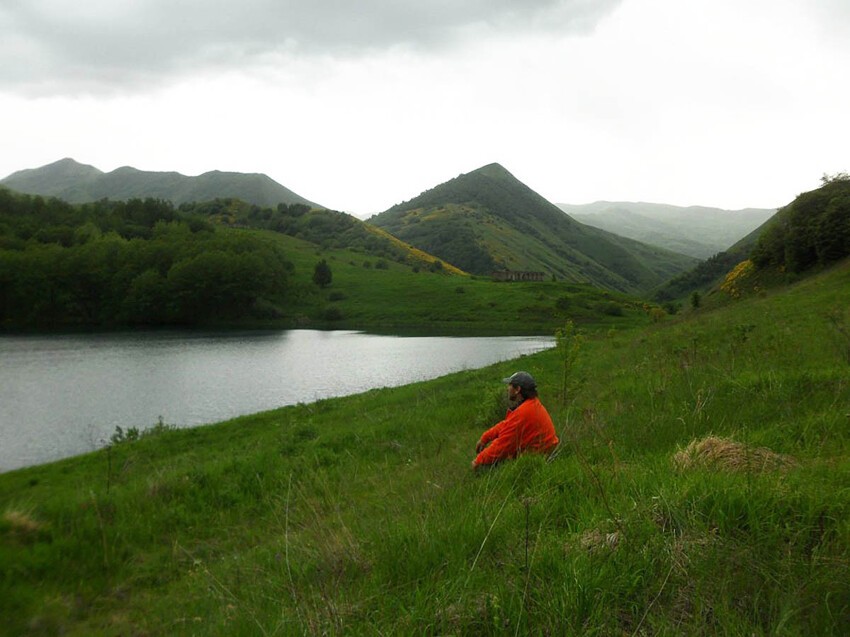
57,46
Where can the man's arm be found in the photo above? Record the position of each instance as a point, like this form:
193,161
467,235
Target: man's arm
504,444
488,436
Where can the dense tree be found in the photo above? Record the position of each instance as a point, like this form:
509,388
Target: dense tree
133,263
327,228
322,275
696,299
813,230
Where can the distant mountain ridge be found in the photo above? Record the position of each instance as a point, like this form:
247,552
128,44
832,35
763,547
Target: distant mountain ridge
487,220
80,183
810,233
698,231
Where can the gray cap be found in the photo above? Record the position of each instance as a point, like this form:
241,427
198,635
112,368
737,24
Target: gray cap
521,379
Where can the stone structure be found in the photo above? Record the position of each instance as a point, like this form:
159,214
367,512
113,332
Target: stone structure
514,275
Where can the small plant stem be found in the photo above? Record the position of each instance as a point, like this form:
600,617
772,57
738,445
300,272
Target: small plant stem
526,534
489,531
585,465
286,542
654,599
527,581
102,532
217,584
108,467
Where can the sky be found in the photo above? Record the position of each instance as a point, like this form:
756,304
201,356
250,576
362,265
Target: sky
359,105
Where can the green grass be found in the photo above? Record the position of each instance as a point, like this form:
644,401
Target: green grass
360,515
377,294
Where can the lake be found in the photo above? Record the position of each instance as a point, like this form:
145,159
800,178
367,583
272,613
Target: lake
65,395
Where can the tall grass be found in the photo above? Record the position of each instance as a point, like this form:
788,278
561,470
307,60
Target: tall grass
700,489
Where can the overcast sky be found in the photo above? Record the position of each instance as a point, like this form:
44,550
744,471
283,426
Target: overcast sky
358,105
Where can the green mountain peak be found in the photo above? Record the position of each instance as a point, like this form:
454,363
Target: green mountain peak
494,171
488,220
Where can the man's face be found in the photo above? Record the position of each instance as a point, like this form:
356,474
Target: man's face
514,393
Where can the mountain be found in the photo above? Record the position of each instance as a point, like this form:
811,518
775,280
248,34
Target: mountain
811,232
708,274
488,220
697,231
80,183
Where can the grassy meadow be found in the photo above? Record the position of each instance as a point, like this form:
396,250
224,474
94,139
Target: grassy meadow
367,292
702,487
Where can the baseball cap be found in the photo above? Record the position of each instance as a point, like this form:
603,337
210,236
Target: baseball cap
521,379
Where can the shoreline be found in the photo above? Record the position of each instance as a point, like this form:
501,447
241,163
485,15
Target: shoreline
97,438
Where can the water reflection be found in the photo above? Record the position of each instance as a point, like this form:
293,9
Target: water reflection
63,395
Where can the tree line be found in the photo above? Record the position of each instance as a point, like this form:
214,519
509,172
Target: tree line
139,262
812,231
325,228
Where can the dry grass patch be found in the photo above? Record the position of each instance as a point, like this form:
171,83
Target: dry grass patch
21,524
714,452
593,541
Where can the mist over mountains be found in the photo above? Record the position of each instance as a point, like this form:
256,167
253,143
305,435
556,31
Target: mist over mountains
697,231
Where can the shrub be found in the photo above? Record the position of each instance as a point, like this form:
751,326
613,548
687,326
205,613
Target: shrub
332,314
611,308
322,275
696,300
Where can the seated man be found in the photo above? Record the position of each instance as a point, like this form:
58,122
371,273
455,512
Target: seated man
526,427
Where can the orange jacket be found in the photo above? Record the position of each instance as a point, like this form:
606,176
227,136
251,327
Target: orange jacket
526,428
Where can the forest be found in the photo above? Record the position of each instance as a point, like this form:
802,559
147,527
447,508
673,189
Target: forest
139,262
812,231
325,228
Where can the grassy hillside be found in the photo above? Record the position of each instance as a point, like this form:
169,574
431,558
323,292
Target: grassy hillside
375,293
488,220
700,489
325,228
80,183
810,232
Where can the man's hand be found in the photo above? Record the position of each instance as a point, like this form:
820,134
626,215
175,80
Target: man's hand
474,465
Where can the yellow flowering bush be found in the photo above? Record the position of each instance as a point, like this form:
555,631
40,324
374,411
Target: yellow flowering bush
732,285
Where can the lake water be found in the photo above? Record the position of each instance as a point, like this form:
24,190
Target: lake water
64,395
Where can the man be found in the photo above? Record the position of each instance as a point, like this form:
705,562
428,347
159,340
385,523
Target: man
526,427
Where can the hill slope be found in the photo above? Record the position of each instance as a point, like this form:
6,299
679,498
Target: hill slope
700,488
812,231
697,231
111,264
80,183
488,220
